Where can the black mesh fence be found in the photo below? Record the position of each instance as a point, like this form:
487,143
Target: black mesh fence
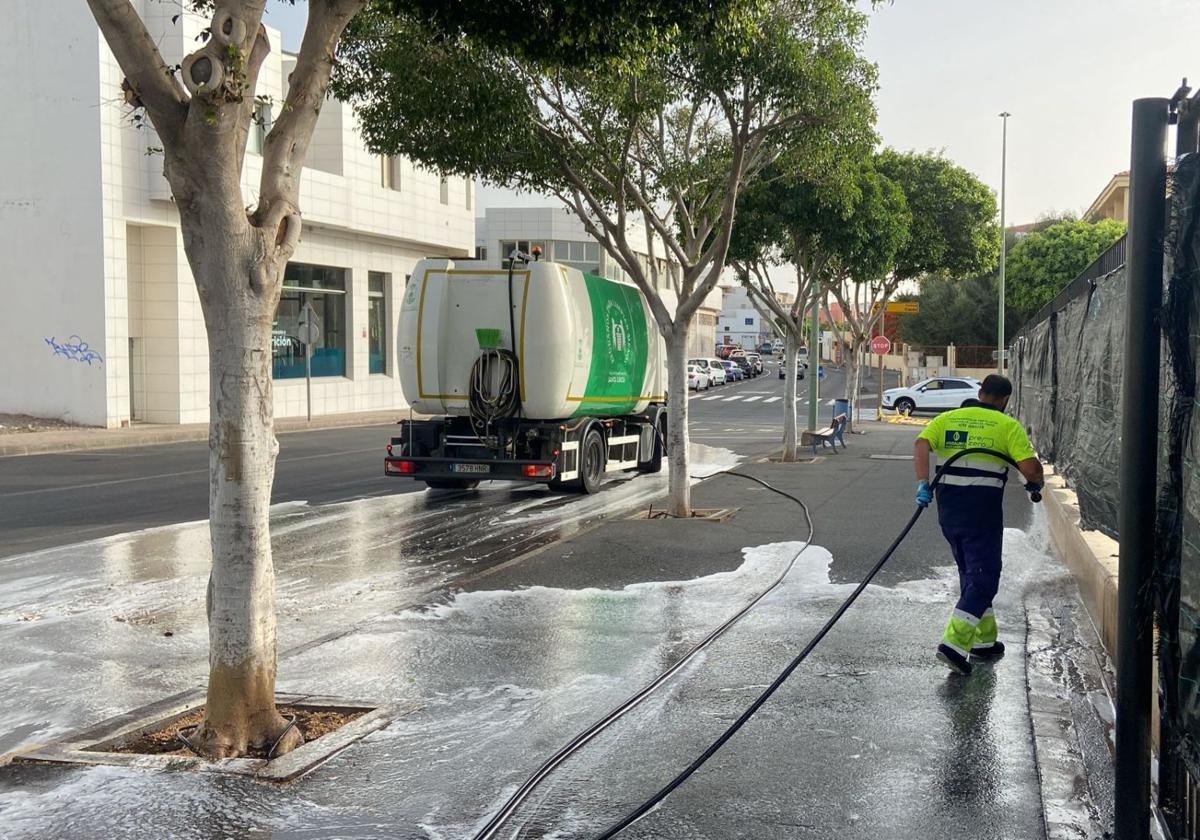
1067,366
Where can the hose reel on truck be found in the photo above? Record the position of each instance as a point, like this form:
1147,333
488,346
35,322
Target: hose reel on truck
535,373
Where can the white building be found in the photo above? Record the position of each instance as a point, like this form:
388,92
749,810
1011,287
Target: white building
740,323
563,238
102,321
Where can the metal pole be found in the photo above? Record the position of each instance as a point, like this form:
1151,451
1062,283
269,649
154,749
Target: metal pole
308,380
1138,473
1000,344
814,358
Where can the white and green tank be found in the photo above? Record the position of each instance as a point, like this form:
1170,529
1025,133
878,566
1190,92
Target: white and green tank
586,345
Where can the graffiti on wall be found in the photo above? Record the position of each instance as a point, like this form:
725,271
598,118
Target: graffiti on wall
75,349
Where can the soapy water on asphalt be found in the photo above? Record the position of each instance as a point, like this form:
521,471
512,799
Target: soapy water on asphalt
500,679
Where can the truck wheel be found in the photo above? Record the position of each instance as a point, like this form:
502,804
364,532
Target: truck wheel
451,483
654,463
592,459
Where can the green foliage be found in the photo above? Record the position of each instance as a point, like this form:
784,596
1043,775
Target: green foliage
955,310
649,112
954,229
1042,264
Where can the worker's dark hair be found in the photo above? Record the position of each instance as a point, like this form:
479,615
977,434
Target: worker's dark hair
995,385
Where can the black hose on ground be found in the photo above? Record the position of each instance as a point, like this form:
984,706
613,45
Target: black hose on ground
507,810
664,792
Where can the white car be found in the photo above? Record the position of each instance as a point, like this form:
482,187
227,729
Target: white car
939,393
697,379
712,368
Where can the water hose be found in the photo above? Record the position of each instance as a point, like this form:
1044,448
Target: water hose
666,790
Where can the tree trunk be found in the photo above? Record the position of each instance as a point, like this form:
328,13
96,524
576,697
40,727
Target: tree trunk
790,425
852,385
240,294
679,481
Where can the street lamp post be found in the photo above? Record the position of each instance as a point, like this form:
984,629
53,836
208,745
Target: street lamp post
1003,242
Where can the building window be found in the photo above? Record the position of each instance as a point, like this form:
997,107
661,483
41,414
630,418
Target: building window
377,283
749,322
467,183
525,246
444,186
480,252
260,124
389,172
325,288
584,256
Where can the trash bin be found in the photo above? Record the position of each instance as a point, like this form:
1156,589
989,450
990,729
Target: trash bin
841,407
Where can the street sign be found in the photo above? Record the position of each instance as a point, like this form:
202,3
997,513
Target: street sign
309,326
996,355
908,307
881,345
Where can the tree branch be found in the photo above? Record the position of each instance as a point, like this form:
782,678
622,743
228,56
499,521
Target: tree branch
153,83
286,146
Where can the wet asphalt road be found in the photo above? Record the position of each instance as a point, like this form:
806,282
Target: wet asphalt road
49,500
413,598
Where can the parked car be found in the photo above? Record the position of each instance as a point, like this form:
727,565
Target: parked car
697,379
712,368
766,348
742,363
802,355
777,345
935,394
756,363
723,350
800,365
733,371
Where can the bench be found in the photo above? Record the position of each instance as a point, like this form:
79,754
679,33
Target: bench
831,435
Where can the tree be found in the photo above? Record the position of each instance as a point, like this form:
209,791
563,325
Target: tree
826,223
666,134
202,113
1042,264
956,310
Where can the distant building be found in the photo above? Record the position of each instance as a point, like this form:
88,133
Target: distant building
740,323
102,319
1113,201
563,238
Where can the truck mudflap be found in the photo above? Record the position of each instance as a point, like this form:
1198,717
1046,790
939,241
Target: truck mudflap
470,469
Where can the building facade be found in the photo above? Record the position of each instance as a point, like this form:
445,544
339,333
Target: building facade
740,323
103,322
563,238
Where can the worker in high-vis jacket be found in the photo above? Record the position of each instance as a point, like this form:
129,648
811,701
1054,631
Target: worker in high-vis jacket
970,500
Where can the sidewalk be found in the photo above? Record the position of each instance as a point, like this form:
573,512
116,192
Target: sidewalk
869,737
149,434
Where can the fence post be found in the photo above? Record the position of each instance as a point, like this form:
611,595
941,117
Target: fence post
1138,473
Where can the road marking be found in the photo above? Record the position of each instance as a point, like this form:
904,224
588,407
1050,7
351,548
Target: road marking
714,397
771,400
735,397
831,402
752,399
180,474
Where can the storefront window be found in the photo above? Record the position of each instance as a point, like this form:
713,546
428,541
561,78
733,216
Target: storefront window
377,283
325,288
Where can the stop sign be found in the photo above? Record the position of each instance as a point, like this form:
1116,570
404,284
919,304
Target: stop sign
880,345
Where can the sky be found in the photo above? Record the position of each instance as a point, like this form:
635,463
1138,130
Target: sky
1067,70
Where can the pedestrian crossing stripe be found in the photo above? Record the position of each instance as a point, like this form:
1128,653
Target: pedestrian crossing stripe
752,399
772,399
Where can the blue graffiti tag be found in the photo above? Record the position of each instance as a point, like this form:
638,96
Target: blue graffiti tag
75,349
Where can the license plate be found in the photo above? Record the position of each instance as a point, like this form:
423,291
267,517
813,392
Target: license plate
471,468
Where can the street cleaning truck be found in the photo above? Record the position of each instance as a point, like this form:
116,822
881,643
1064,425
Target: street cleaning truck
538,372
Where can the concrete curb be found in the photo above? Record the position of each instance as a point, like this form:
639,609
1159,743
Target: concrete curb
1090,555
71,440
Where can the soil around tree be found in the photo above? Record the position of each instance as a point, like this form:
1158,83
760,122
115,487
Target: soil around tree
164,740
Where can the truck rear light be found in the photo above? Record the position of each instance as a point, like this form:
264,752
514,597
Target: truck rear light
400,467
389,449
537,470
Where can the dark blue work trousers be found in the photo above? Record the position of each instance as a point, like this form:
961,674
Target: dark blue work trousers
977,555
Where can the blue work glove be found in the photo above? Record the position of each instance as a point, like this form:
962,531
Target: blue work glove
924,494
1034,486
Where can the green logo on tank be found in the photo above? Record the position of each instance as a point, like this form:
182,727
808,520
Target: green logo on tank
620,348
